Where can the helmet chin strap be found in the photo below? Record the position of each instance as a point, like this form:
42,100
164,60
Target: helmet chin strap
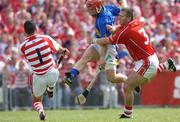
98,10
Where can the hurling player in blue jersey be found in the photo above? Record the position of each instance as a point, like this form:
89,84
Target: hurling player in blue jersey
105,15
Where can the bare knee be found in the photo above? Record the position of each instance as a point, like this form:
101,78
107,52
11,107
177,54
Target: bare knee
114,78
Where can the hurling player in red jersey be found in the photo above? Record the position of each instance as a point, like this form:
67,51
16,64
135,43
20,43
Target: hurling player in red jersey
132,35
37,50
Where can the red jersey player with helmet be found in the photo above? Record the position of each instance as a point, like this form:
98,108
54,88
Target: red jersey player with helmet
132,35
37,50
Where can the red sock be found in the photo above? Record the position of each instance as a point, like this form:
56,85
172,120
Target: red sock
38,106
161,67
128,111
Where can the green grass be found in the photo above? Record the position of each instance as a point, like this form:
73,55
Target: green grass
95,115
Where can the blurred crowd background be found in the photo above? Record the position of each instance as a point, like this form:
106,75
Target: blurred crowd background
68,22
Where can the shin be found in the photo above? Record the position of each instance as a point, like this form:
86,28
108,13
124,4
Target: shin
37,104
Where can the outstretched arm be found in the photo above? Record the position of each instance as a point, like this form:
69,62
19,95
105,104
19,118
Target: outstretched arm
102,41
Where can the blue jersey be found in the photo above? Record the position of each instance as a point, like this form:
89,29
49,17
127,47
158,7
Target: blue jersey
106,17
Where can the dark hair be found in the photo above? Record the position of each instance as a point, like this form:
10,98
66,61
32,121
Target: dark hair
29,27
129,12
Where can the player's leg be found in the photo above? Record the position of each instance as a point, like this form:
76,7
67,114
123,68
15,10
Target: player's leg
49,91
91,54
38,106
113,77
52,77
118,78
110,67
132,82
143,71
38,89
167,65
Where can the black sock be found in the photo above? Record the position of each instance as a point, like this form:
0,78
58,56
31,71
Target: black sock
85,93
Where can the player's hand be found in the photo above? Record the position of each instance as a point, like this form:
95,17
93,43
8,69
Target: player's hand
110,28
89,40
94,40
119,2
65,51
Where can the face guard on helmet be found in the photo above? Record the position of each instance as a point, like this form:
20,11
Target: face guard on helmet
94,6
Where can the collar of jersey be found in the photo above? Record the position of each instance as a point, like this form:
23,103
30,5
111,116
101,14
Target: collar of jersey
31,36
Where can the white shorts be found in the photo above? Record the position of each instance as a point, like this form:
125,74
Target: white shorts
40,82
147,67
110,57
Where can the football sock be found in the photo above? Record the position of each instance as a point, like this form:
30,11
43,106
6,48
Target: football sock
85,93
74,72
128,111
38,106
50,89
162,67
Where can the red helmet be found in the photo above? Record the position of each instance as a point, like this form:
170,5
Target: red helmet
94,3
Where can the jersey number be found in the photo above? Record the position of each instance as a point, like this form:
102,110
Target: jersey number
142,31
39,56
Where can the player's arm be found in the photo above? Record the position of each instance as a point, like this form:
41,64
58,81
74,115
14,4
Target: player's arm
57,47
63,50
112,39
102,41
21,50
112,28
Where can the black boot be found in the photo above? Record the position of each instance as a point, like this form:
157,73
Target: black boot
123,116
68,78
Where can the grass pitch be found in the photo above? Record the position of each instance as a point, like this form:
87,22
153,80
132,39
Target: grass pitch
95,115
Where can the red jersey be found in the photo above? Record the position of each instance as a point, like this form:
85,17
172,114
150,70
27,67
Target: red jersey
135,39
37,51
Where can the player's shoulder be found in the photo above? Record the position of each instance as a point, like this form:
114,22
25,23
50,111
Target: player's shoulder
43,36
112,8
135,22
23,43
21,47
